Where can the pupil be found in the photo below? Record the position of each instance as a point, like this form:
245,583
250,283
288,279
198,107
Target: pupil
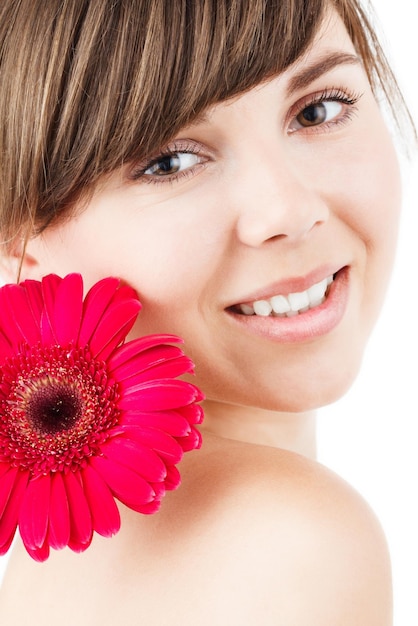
168,165
313,114
53,408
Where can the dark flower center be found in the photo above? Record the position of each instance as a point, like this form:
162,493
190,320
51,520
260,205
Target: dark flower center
57,406
53,407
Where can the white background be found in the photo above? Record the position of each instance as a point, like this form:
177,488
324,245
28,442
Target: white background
369,437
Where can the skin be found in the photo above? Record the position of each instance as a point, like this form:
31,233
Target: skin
263,200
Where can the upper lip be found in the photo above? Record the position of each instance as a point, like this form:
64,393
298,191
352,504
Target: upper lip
290,285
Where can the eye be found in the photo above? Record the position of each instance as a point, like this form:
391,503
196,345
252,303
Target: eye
328,108
167,165
319,113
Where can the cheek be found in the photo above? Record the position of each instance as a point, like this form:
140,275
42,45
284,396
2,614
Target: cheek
368,194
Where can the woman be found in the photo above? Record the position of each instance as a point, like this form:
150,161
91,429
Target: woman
229,161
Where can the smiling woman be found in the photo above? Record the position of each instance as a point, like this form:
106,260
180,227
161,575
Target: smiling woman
244,184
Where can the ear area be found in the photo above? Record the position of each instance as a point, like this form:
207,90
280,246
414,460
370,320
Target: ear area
18,264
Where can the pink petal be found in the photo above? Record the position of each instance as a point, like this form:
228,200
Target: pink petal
151,348
34,510
39,554
5,347
193,413
103,508
95,304
49,289
154,506
8,520
23,317
59,514
48,337
4,548
113,328
137,457
4,467
80,518
8,324
157,440
7,481
68,308
160,395
126,484
33,289
170,422
148,509
168,369
124,293
192,441
173,479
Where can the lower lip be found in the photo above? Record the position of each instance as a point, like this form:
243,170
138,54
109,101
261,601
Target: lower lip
303,327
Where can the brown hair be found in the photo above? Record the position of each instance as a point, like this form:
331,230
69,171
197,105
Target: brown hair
87,85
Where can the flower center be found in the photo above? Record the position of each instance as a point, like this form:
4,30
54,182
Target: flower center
53,406
57,405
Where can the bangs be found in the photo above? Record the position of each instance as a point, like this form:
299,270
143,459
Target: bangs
88,85
154,66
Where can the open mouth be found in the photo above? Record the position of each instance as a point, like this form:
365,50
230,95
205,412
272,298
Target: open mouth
288,305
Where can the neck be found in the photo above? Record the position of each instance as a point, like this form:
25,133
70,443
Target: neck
289,431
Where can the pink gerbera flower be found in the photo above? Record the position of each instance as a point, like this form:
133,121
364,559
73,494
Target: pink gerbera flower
85,418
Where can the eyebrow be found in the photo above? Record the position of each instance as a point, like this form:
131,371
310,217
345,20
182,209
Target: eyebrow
303,78
323,65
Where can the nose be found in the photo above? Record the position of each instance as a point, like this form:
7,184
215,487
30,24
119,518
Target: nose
278,200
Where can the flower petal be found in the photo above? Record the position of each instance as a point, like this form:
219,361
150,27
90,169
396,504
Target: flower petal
113,328
8,324
192,441
173,479
80,517
136,355
103,508
59,514
39,554
50,285
7,481
95,304
171,422
161,442
167,369
68,308
138,457
148,509
5,346
21,311
9,518
126,484
33,289
34,510
160,395
193,413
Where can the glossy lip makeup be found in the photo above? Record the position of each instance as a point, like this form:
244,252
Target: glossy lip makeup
294,326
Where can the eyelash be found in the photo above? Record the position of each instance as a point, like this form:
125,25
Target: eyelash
138,174
335,94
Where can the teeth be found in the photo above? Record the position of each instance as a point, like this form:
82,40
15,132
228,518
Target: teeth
280,304
290,305
298,300
262,307
316,293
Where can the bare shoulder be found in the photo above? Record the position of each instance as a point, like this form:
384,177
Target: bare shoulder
304,545
253,535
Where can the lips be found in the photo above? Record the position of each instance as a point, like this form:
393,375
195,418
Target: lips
296,310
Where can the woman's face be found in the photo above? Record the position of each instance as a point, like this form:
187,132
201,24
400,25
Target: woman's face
272,193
